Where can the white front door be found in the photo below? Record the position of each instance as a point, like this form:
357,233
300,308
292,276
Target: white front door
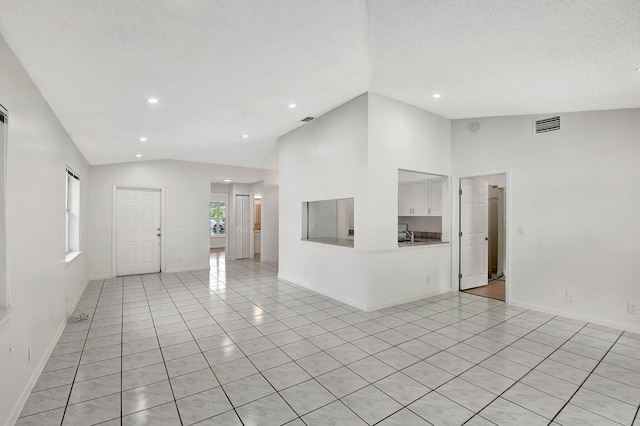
474,210
137,231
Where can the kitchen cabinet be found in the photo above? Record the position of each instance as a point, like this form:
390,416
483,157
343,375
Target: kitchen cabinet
405,202
435,197
420,198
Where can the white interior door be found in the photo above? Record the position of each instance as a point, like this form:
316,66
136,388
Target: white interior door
243,227
474,211
137,231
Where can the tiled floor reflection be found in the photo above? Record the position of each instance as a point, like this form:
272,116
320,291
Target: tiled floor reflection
234,346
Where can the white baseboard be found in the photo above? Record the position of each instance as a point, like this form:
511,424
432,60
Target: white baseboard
168,270
408,299
324,292
576,316
100,277
186,269
17,409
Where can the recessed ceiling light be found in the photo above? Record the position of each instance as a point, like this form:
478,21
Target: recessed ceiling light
143,139
138,155
226,180
245,136
292,106
152,100
436,95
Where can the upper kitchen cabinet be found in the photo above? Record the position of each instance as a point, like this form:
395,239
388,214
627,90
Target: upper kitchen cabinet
435,197
405,202
421,197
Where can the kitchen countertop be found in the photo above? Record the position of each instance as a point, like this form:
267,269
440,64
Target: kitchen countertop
342,242
420,242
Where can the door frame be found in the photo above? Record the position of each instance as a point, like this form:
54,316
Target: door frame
114,205
252,219
455,224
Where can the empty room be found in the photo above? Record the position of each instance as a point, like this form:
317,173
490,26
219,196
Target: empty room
199,202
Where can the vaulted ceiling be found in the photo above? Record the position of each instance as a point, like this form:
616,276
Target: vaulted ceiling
221,69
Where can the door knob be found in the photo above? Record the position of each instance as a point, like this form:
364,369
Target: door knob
157,235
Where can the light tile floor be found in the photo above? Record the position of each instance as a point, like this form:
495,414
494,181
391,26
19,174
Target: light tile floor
234,346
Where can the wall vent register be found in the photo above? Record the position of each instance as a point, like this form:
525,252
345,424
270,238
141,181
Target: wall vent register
545,125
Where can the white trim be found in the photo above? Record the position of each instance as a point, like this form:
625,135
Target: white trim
579,317
403,300
5,314
100,277
324,292
187,269
5,300
455,224
17,408
71,255
114,203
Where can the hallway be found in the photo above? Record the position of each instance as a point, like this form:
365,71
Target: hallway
234,346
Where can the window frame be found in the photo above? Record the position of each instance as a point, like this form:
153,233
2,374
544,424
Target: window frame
72,214
5,295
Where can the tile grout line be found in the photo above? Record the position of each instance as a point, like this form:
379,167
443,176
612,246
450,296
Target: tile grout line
585,380
242,291
247,357
530,370
455,376
278,347
82,351
122,353
201,352
164,363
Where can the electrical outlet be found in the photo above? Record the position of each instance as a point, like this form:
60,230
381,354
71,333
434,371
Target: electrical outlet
631,308
29,353
521,230
569,296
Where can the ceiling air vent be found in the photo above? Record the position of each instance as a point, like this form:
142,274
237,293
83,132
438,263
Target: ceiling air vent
549,124
307,119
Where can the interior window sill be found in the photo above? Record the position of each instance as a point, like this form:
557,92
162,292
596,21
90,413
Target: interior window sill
71,255
5,314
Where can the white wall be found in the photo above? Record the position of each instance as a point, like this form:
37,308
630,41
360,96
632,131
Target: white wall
325,159
404,137
574,192
187,194
356,151
39,149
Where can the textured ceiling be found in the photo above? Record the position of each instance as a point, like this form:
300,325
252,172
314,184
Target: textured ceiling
222,69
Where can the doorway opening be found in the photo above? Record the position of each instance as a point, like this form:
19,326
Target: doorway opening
257,226
482,266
